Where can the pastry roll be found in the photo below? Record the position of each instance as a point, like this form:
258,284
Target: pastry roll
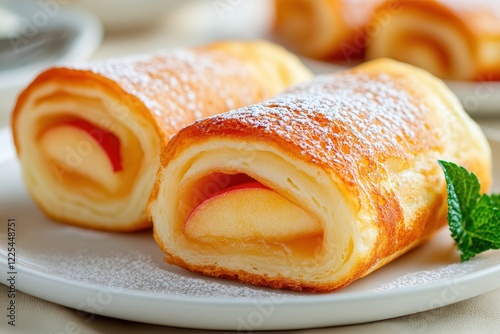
89,136
457,40
324,29
318,186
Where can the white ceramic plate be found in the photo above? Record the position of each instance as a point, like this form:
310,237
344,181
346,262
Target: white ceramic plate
481,98
38,16
124,276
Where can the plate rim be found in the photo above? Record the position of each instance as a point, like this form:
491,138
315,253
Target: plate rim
324,302
321,302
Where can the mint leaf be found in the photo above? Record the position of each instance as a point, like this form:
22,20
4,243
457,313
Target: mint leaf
473,219
463,193
484,233
496,200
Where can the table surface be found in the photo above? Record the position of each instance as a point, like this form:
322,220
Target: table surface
479,314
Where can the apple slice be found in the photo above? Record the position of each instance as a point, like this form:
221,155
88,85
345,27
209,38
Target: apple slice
250,211
107,140
80,152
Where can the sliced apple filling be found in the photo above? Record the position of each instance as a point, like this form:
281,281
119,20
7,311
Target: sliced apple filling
251,214
84,154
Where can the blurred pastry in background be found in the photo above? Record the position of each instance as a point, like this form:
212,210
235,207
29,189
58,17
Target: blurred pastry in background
455,40
324,29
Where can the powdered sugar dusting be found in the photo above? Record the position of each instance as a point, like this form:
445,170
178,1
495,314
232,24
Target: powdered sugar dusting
342,120
140,273
182,85
418,278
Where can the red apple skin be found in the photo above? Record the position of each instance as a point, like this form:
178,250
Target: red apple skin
271,216
107,140
247,185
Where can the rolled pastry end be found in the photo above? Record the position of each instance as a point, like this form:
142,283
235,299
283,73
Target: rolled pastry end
312,28
83,150
89,135
323,29
319,186
427,34
248,211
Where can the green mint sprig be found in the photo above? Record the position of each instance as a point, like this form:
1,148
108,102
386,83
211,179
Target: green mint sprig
473,219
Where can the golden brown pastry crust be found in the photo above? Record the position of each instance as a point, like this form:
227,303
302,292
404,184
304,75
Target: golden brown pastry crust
475,24
324,29
374,133
159,93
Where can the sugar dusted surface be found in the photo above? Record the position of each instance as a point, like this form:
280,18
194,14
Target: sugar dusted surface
341,122
445,273
449,273
181,85
139,272
134,263
142,273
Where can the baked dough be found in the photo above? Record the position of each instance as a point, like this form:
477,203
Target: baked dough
89,136
456,40
349,161
324,29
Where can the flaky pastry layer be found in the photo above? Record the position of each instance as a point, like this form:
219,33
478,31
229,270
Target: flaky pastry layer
456,40
356,150
70,119
324,29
